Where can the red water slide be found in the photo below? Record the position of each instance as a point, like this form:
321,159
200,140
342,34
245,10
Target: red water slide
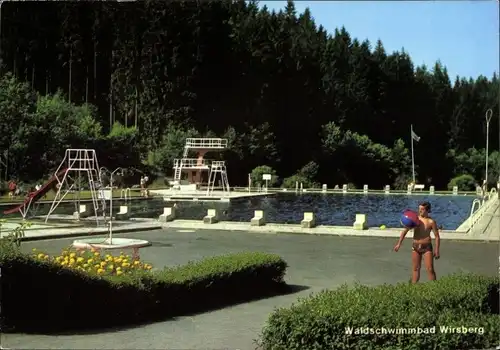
35,196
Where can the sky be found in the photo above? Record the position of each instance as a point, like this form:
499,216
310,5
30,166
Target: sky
463,35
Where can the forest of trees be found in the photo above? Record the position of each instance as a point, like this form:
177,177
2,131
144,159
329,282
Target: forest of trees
133,79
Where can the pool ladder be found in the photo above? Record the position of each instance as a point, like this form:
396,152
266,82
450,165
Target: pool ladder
480,203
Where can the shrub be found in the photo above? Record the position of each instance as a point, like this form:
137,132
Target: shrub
43,296
305,175
256,176
323,321
290,182
464,182
12,240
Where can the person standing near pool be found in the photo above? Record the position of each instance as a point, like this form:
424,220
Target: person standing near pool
422,243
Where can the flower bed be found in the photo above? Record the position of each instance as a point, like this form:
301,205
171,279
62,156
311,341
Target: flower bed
49,294
455,312
92,261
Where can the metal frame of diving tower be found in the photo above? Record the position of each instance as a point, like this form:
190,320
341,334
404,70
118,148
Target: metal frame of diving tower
78,161
196,165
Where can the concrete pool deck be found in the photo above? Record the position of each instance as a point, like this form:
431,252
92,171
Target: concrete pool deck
201,195
315,263
491,234
41,232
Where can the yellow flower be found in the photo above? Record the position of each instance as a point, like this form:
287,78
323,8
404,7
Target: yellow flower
90,261
63,263
118,260
45,256
111,267
85,265
118,268
118,272
100,271
96,254
71,261
103,263
40,256
137,262
80,259
97,266
148,267
34,249
58,259
72,255
125,264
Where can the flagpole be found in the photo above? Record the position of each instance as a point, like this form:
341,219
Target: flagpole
412,154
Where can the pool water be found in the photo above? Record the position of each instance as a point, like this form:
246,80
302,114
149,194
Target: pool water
330,209
338,210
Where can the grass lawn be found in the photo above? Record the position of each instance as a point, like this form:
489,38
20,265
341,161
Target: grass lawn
117,193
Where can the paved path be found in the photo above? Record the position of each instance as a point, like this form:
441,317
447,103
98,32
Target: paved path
316,262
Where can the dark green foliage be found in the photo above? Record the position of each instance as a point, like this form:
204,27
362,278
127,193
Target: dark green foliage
320,321
44,297
464,182
282,89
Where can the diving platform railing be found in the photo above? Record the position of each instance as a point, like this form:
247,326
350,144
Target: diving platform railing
191,163
206,143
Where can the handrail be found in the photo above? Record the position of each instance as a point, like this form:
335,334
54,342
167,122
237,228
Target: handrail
206,143
473,219
476,215
191,163
218,164
474,202
125,193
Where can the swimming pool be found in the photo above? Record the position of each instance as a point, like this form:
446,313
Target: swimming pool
330,209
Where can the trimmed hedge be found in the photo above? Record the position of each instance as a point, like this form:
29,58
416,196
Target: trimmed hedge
324,320
43,297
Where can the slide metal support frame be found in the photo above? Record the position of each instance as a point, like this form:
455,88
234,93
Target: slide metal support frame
81,161
25,208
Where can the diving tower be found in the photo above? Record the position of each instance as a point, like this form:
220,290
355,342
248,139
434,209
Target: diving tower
195,167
